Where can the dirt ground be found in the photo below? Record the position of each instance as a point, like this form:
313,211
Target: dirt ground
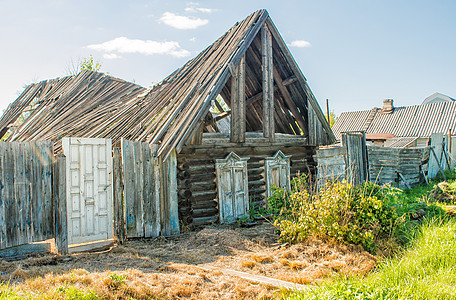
169,267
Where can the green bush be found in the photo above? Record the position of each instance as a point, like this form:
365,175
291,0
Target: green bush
366,214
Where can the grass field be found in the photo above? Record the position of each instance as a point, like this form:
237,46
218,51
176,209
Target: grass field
427,270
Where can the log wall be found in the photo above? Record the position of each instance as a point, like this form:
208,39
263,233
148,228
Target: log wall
197,187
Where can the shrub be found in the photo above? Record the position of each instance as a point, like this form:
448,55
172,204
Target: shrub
366,214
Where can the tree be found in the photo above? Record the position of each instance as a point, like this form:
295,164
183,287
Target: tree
332,118
89,64
86,63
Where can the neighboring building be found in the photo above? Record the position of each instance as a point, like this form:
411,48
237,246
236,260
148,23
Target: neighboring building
437,97
407,126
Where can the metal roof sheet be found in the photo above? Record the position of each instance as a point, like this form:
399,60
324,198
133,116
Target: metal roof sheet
405,121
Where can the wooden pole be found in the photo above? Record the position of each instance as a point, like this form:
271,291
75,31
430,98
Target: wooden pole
449,140
327,111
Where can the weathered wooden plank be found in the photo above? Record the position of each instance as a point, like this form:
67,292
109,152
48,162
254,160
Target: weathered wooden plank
27,205
129,188
19,194
47,206
10,202
60,204
238,103
3,238
267,84
168,196
118,199
138,186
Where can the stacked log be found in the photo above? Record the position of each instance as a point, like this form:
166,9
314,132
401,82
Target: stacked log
197,185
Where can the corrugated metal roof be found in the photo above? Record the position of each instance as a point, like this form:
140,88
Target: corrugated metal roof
350,121
405,121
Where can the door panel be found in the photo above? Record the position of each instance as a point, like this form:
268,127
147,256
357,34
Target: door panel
89,196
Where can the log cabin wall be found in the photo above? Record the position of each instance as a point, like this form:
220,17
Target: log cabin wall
197,186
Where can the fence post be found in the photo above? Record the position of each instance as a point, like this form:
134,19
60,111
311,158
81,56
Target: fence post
119,208
61,229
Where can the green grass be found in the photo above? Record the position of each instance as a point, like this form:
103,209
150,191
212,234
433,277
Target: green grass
427,270
67,293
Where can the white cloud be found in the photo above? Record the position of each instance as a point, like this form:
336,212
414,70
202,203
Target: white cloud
201,9
300,44
182,22
146,47
193,39
111,56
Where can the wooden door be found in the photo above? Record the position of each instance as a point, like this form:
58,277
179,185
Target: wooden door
277,169
89,189
232,185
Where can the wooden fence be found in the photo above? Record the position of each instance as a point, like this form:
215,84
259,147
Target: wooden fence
331,163
403,167
32,192
356,159
443,152
145,192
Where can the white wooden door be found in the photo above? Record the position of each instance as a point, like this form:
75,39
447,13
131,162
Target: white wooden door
277,169
232,185
89,189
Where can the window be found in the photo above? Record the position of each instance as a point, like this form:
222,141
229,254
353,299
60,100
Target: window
277,170
232,184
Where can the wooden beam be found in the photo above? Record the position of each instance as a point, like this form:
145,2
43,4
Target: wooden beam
301,79
259,96
268,84
286,96
238,103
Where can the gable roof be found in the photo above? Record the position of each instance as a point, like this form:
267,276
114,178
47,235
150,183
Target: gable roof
406,121
174,110
81,105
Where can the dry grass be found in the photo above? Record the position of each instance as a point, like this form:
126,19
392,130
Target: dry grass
164,268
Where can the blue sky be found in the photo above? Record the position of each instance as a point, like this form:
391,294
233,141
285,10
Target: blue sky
355,53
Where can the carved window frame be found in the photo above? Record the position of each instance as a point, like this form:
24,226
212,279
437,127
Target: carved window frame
228,167
281,161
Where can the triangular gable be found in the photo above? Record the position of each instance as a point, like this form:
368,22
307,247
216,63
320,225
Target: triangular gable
202,79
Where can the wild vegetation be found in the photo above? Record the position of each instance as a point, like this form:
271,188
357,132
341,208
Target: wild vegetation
424,266
379,218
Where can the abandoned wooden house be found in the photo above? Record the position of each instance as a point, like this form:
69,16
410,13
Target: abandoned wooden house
401,127
248,77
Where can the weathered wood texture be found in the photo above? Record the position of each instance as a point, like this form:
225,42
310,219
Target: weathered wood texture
89,104
120,231
168,195
26,193
357,164
331,164
267,84
141,184
233,191
60,202
277,171
198,198
385,164
445,154
238,103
